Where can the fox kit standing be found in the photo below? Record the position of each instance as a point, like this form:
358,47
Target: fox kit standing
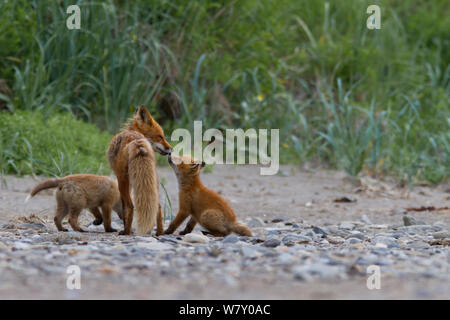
133,162
205,206
83,191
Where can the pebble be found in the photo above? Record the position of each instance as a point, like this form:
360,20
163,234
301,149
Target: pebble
231,238
195,238
275,252
321,231
346,225
249,252
292,239
272,243
256,223
365,219
441,235
353,240
154,245
411,221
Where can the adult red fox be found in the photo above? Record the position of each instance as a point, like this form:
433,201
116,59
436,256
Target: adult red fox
83,191
204,206
133,162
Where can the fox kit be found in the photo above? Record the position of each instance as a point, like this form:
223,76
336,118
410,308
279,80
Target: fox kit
132,159
83,191
204,206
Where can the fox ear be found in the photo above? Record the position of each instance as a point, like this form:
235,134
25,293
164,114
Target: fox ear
143,115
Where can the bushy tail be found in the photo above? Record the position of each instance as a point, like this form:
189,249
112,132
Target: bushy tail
46,184
143,180
240,229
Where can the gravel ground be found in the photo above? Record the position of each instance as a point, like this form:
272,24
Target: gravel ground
306,244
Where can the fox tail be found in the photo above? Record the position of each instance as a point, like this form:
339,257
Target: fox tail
46,184
143,180
241,230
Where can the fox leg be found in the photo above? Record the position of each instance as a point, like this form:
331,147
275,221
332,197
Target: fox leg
214,222
61,212
127,205
118,209
74,212
180,217
159,222
98,216
106,210
190,226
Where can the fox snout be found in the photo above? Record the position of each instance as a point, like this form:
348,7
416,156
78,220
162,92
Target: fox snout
161,149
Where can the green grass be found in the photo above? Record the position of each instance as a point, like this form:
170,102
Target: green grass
370,101
56,146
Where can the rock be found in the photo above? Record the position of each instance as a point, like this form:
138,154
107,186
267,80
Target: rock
146,239
321,231
168,238
442,242
362,261
418,245
271,243
383,239
285,259
33,226
21,246
256,222
335,240
441,235
383,262
399,211
364,218
231,238
411,221
352,240
358,235
249,252
66,241
322,270
195,238
292,239
154,245
347,226
278,219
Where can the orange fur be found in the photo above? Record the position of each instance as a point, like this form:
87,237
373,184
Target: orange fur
83,191
204,206
130,173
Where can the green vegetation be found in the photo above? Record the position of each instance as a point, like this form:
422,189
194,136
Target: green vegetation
372,101
56,146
